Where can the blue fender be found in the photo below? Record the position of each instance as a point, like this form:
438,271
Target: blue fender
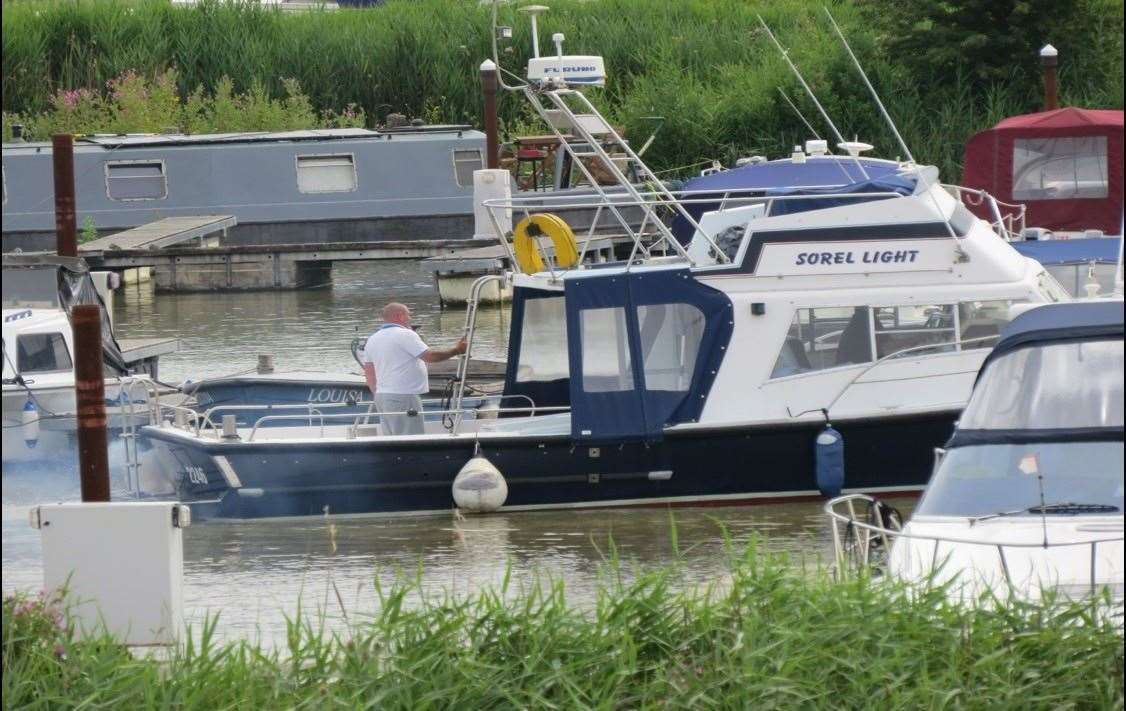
830,467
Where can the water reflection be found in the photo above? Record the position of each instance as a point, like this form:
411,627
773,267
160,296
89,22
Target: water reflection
222,333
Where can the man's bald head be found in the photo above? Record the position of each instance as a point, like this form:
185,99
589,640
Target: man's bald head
397,313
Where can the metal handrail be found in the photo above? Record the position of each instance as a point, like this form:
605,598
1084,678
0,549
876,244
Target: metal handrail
1010,225
869,367
852,523
511,410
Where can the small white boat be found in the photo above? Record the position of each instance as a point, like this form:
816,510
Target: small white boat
38,385
1027,496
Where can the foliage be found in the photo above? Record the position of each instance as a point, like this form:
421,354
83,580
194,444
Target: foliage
987,40
132,103
89,231
705,65
768,635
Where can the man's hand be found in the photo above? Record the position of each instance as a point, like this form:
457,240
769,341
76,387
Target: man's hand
436,356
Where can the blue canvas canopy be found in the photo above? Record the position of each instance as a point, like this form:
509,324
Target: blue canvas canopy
1053,252
644,348
830,174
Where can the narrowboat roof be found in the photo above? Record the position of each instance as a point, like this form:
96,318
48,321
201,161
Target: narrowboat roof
146,140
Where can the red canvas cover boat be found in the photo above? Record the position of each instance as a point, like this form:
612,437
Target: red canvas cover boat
1064,165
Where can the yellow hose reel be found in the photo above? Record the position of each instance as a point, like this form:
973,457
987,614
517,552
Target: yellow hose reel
526,246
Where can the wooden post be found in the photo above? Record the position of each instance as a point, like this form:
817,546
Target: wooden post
66,222
489,82
1049,58
90,398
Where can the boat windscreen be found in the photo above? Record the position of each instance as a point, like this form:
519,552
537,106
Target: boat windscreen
31,288
1069,385
1077,478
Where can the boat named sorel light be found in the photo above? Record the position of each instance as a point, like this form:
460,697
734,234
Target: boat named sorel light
698,371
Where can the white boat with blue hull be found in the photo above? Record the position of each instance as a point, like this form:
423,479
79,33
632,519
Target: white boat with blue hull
690,373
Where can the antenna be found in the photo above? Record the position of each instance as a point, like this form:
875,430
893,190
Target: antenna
812,96
796,111
871,89
534,11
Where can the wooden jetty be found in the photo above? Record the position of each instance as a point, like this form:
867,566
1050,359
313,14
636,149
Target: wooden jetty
188,254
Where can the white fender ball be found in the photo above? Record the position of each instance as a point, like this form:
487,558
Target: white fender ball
479,487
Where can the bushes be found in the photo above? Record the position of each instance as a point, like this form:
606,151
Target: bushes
132,103
702,64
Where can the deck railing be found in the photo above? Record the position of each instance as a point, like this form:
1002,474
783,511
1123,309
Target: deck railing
1008,219
864,540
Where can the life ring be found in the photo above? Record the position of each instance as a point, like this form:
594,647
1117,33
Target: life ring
527,248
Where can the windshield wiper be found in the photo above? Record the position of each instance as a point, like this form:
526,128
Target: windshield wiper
1067,507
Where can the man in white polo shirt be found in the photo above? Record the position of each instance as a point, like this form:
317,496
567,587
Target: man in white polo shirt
395,361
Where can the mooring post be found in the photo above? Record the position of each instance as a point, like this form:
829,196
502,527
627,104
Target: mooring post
66,221
90,398
489,82
1049,58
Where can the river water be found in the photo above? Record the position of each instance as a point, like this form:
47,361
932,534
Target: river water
253,574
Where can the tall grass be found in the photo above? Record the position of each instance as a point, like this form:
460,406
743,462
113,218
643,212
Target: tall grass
768,636
703,64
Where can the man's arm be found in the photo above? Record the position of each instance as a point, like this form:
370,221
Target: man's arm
433,355
369,376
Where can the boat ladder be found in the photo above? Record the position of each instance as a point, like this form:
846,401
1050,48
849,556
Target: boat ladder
471,306
588,137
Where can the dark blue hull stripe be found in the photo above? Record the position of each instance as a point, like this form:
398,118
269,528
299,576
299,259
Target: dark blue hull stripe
369,476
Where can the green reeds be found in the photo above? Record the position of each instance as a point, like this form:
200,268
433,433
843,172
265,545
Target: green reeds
704,65
769,635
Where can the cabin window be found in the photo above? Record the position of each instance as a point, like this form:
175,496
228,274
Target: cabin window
136,180
670,341
326,173
465,162
979,322
1059,168
899,328
605,350
823,338
42,353
543,341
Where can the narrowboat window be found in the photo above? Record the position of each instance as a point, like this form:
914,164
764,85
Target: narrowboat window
326,173
825,338
543,341
136,180
1059,168
981,320
901,327
465,162
42,353
605,350
670,342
